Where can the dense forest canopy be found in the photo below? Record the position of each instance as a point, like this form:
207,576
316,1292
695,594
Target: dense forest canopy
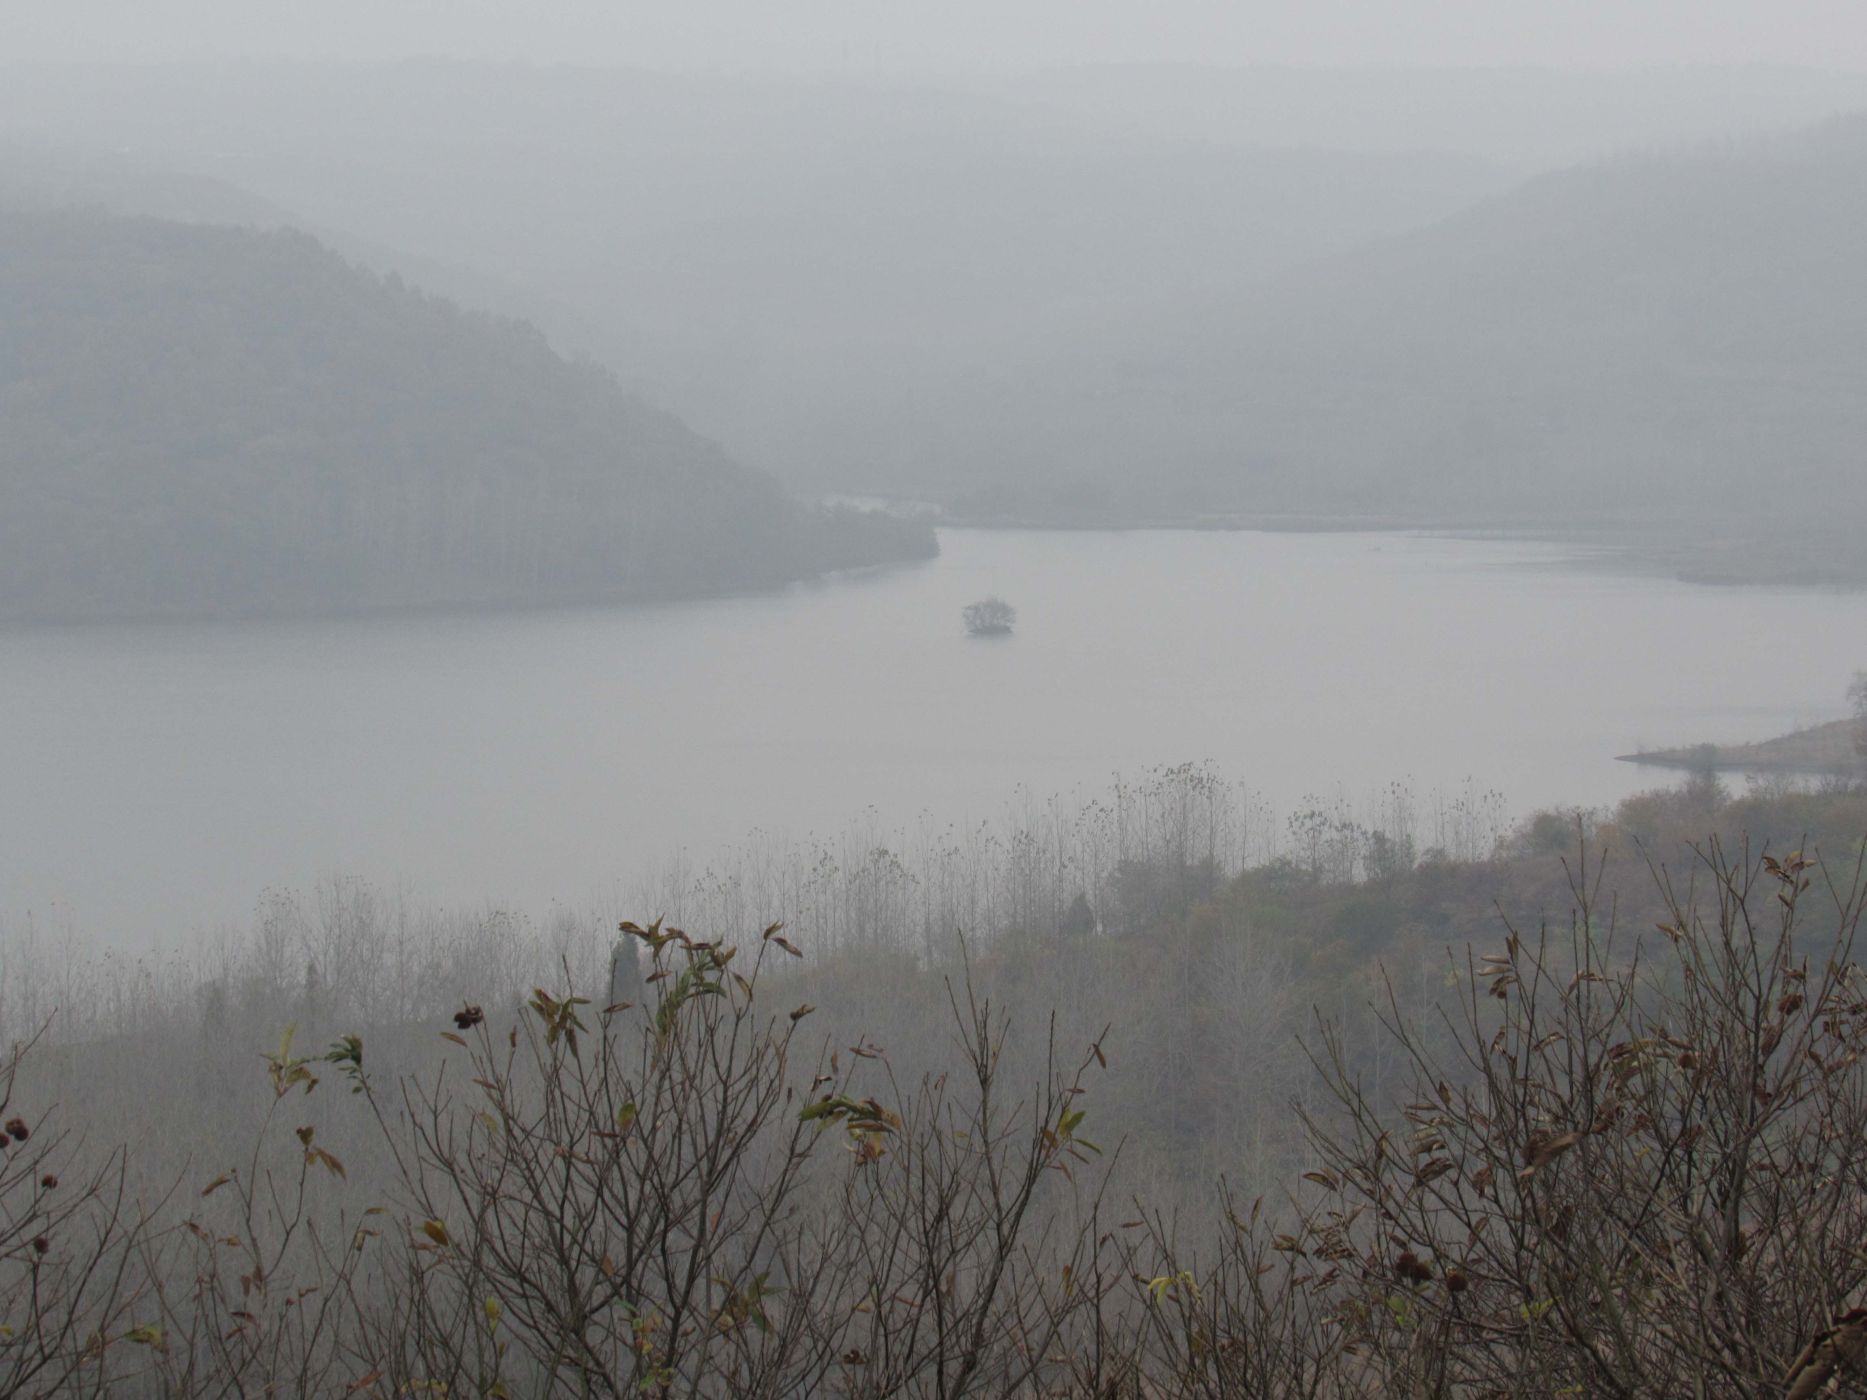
200,419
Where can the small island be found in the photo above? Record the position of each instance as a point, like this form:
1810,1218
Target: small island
1823,750
990,617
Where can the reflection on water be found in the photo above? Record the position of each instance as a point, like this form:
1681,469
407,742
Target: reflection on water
159,778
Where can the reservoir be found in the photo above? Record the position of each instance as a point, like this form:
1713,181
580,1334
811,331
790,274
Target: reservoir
160,779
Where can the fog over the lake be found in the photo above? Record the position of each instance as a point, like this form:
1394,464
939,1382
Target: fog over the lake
1052,698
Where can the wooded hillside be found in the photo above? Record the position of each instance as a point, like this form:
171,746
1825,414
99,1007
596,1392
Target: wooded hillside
200,419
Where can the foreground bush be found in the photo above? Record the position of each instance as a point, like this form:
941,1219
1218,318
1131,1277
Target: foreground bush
1623,1164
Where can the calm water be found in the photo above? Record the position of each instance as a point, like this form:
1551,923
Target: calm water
160,778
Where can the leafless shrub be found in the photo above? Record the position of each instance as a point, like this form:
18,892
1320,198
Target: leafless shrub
646,1200
1619,1164
68,1232
1635,1172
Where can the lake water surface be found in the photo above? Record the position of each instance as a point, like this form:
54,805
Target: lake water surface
159,778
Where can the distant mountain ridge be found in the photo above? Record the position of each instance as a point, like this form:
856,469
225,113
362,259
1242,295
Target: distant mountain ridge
1657,337
1042,302
199,420
806,269
1682,334
1533,118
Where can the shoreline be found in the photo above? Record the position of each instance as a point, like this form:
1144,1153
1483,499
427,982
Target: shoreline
1701,559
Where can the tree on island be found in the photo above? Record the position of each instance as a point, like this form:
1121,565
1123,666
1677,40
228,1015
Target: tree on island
1857,697
990,617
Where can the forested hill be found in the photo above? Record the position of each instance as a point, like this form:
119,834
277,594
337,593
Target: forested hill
850,282
1677,334
1684,334
197,420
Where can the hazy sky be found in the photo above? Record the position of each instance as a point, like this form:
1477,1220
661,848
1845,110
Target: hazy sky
956,34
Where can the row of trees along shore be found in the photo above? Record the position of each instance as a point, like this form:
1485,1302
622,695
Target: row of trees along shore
1577,1114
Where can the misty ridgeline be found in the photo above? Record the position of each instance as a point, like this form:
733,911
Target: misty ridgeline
1158,1092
